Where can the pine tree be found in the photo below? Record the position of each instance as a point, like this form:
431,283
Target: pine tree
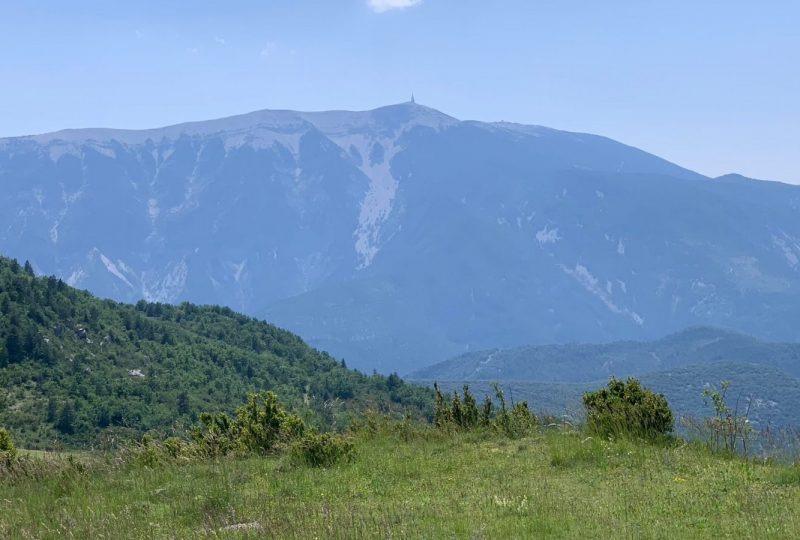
52,410
183,403
486,413
470,409
3,355
14,345
66,420
457,410
441,412
393,381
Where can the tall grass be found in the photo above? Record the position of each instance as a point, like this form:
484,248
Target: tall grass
412,481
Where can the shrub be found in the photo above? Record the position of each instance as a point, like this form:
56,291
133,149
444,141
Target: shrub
455,414
487,412
147,453
517,422
215,436
321,449
174,447
262,423
442,414
8,452
626,408
729,429
464,415
521,420
260,426
470,414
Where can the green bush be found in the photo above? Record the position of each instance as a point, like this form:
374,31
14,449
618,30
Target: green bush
8,452
148,453
729,429
522,420
626,408
215,436
260,426
262,423
174,447
459,414
321,449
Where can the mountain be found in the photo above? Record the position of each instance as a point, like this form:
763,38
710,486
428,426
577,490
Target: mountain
554,377
591,362
80,370
401,236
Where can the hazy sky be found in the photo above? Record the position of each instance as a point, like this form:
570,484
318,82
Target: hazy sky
712,85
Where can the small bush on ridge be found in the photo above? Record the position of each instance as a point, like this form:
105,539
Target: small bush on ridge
459,414
626,408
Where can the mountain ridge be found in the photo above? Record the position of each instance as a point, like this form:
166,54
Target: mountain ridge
347,226
699,344
270,118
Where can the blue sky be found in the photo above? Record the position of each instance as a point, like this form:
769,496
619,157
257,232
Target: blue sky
711,85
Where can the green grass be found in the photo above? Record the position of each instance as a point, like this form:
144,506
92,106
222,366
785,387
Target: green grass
552,484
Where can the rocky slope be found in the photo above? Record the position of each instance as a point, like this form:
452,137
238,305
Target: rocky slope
401,236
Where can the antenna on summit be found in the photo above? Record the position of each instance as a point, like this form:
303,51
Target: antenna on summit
412,98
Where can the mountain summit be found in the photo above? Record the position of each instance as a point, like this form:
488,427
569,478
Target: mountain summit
400,236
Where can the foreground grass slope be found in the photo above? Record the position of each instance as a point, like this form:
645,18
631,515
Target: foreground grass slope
76,370
421,483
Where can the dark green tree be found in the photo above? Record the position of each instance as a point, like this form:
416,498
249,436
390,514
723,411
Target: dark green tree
442,416
183,403
486,411
456,410
470,409
14,344
52,410
65,423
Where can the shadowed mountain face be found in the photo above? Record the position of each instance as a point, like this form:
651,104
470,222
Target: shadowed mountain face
581,363
401,236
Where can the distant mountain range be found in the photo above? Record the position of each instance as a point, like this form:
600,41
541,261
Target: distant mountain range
553,377
401,236
592,362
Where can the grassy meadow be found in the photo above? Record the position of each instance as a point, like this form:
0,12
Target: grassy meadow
414,482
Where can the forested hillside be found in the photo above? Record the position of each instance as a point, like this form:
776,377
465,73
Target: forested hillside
78,370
